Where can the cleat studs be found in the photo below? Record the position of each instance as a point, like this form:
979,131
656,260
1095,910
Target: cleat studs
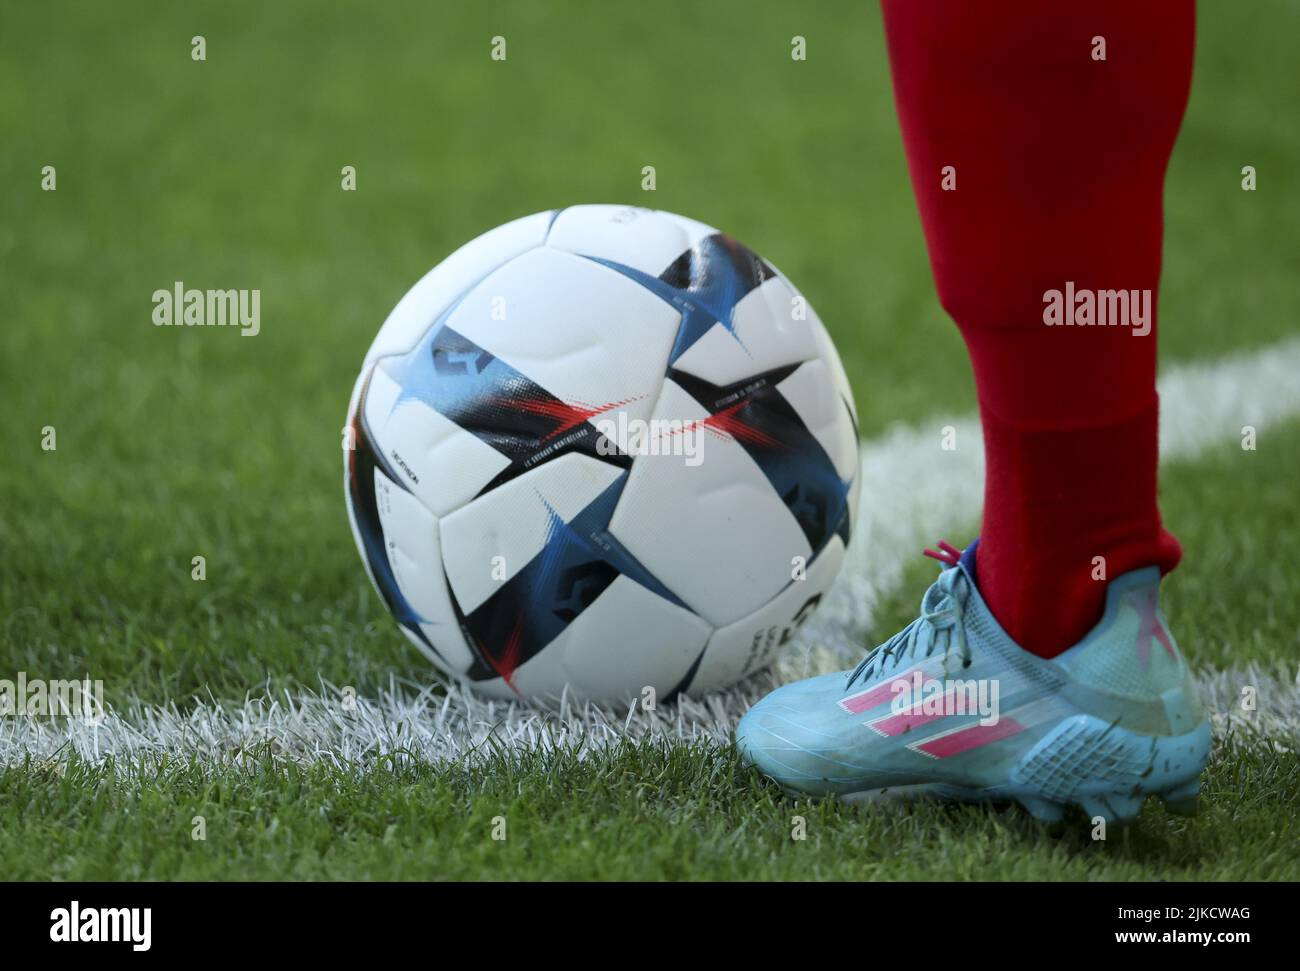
1114,808
1183,807
1093,808
1184,800
1043,809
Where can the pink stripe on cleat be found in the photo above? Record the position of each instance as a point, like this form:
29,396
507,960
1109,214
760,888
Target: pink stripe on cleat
965,739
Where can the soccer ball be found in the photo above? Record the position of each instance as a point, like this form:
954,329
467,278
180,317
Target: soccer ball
601,450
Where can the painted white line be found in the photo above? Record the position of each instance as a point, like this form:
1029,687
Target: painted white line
913,492
404,723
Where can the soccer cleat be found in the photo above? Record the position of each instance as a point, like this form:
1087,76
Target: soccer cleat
951,707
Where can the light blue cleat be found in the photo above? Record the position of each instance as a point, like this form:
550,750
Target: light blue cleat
950,706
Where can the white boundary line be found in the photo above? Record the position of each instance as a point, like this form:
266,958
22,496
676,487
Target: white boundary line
913,492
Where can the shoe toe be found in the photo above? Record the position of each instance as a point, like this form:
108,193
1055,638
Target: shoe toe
794,735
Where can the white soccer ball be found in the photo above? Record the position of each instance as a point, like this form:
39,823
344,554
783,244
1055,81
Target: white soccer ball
603,449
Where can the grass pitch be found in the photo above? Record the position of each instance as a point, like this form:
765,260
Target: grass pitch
176,443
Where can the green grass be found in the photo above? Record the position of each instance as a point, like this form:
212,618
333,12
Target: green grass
636,814
175,443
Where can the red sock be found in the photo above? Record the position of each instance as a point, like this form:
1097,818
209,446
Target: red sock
1059,160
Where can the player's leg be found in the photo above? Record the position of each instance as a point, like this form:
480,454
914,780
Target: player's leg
1038,167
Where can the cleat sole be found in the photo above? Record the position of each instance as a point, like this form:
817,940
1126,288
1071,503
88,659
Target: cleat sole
1042,809
1109,772
1184,800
